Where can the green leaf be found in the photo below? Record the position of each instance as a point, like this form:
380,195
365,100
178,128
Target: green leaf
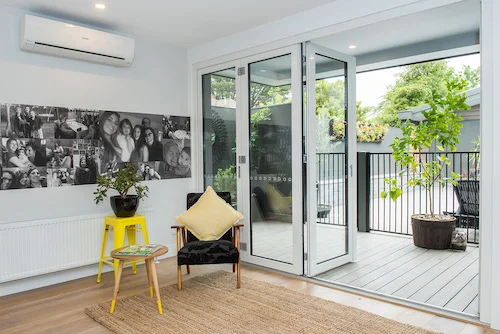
395,193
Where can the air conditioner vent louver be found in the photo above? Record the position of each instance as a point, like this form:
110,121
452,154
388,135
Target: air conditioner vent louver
88,52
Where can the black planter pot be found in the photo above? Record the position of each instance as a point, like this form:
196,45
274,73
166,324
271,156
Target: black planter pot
323,210
432,234
124,207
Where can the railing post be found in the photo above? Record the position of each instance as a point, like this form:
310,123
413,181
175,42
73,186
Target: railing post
364,187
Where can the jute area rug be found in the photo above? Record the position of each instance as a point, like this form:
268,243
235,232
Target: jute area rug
212,304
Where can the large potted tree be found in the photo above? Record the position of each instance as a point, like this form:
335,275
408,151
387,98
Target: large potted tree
441,131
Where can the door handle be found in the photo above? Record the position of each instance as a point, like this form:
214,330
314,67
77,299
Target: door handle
350,167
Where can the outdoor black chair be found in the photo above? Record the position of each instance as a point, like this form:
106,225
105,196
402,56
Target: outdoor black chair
467,214
191,251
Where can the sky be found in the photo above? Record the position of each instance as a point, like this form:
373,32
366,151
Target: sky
371,86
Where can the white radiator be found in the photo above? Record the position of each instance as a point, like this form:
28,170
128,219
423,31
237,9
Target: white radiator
44,246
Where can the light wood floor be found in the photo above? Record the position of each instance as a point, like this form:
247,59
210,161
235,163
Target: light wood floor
59,308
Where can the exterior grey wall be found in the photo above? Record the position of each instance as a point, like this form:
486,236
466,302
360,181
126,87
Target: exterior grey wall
382,147
470,132
280,114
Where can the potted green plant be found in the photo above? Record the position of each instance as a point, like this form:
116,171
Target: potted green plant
123,204
442,129
225,180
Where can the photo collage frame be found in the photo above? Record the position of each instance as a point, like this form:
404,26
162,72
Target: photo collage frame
43,146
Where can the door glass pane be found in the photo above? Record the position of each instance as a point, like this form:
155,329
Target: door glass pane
331,158
219,131
270,158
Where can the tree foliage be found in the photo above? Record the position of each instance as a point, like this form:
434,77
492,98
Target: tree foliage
330,99
223,88
330,102
225,180
417,83
260,95
265,96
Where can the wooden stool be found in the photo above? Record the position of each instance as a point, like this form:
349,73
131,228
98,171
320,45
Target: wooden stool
120,225
150,269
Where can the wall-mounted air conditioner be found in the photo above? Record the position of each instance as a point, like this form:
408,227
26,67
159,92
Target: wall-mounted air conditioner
40,35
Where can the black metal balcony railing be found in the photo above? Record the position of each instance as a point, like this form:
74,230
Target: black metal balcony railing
330,187
386,215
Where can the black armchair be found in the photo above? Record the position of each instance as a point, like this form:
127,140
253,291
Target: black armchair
467,192
191,251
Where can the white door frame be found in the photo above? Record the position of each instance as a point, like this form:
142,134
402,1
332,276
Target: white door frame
313,267
297,265
242,149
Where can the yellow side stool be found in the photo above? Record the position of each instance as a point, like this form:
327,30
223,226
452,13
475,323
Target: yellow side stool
120,226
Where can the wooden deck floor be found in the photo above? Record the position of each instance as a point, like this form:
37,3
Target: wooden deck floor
392,265
386,263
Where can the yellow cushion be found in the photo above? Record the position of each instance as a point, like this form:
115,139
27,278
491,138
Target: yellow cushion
277,201
210,217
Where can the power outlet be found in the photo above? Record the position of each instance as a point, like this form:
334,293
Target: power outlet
173,231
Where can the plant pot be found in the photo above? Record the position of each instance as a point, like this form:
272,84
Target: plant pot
124,207
432,233
323,210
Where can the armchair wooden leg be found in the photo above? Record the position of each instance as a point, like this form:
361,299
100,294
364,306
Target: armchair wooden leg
184,241
235,243
179,274
238,269
179,278
238,276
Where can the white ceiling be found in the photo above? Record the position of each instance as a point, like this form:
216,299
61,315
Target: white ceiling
182,23
427,25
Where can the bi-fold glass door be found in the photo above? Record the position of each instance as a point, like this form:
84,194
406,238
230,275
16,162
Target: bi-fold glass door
253,146
331,152
220,132
272,145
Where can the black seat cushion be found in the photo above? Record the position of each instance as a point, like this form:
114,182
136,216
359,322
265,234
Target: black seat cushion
208,252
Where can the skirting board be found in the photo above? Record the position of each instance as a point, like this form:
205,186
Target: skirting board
41,281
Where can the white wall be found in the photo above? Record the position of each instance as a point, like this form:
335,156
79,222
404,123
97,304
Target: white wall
155,83
346,14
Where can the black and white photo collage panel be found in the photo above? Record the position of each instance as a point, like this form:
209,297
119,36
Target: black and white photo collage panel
53,147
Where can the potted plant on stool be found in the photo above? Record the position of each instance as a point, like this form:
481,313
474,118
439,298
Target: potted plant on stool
124,205
442,129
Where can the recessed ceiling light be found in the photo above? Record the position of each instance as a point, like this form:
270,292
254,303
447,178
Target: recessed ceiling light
352,46
70,26
100,5
263,70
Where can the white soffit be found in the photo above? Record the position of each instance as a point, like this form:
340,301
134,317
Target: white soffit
450,20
